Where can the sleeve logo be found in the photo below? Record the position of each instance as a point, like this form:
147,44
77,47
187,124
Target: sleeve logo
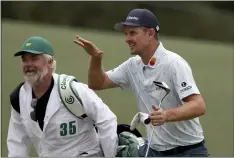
183,84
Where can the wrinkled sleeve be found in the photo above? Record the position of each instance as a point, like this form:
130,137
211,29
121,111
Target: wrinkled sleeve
105,120
17,140
183,79
119,75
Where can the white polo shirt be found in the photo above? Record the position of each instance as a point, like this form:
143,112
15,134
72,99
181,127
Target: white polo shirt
172,69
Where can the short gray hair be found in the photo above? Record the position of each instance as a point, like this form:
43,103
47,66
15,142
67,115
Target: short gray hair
48,58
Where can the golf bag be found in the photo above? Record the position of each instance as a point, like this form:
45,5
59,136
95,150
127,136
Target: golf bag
130,142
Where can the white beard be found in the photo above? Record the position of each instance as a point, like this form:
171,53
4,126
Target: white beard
34,79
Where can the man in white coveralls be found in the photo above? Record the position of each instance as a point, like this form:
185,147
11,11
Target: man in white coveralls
38,115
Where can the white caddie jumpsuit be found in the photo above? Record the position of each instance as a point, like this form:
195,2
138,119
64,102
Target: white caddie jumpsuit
63,135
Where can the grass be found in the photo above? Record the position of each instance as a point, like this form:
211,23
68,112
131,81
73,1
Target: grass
212,64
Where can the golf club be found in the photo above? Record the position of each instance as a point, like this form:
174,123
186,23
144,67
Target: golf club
165,87
140,117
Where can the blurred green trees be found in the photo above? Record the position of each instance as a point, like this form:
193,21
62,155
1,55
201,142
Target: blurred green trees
205,20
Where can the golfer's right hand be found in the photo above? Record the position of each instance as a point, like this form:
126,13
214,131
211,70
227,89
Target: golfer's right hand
88,46
158,116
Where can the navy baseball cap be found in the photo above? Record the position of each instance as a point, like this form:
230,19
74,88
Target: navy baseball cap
139,17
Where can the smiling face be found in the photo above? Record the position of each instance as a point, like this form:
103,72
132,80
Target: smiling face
35,67
139,39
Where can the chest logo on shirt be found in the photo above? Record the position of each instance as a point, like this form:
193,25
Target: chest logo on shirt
152,61
68,128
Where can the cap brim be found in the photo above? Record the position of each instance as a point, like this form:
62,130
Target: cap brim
120,26
27,51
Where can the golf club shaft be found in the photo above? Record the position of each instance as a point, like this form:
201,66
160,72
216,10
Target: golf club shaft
147,151
166,88
148,120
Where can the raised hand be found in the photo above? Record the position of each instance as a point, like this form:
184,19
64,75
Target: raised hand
88,46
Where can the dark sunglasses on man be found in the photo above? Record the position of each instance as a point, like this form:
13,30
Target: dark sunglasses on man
33,113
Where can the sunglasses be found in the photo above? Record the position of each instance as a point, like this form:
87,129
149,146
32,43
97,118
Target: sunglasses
33,113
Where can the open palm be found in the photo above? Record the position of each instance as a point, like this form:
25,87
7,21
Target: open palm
88,46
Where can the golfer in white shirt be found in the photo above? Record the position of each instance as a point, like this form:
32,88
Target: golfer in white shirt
178,131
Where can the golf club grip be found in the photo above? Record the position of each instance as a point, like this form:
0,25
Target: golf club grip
147,121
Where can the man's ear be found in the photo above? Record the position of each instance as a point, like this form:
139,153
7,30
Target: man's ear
152,32
50,62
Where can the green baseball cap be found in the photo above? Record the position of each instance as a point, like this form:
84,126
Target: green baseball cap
36,45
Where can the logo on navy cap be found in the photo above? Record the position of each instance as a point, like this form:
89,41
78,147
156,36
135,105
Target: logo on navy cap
132,18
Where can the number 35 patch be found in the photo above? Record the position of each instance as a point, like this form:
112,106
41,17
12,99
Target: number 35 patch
67,129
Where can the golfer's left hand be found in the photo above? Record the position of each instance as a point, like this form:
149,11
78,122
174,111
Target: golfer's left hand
158,116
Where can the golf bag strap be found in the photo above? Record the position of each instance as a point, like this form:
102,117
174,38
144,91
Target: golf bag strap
69,96
14,97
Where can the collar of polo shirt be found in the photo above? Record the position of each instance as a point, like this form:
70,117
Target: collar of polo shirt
155,59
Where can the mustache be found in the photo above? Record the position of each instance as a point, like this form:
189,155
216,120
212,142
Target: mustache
29,69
